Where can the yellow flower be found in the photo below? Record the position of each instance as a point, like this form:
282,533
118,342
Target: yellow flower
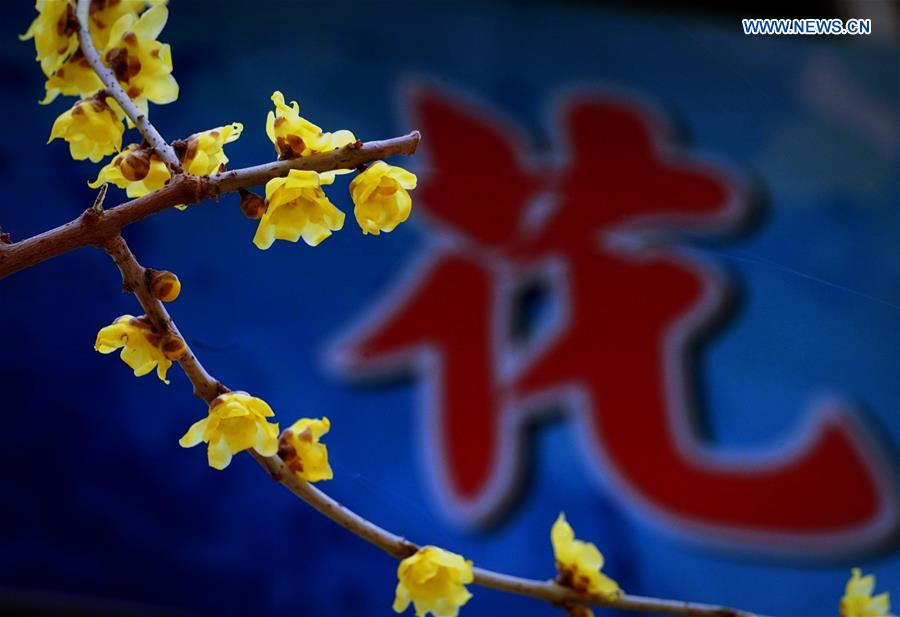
56,41
858,600
74,78
54,33
297,206
578,562
55,29
202,154
295,136
236,422
137,170
380,197
141,64
105,13
434,580
140,170
301,451
142,348
93,127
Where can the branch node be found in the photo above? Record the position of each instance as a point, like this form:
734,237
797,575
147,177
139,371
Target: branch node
101,196
92,215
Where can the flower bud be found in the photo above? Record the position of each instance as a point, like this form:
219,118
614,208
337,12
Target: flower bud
164,285
136,165
252,205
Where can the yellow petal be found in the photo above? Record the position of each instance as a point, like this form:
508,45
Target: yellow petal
194,434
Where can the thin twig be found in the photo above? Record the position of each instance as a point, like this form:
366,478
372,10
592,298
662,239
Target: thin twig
95,229
207,388
113,88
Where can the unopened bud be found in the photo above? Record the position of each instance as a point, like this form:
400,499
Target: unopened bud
252,205
136,165
173,347
164,285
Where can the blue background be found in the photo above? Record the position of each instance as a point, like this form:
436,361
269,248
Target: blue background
98,499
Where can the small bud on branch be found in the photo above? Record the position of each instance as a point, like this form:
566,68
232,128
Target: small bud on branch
252,205
164,285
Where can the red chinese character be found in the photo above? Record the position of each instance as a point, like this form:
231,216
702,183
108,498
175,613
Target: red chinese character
602,224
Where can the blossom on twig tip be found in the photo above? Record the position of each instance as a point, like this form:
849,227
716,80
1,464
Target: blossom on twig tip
381,198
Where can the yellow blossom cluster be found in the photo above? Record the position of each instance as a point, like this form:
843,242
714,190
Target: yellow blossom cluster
139,170
124,33
296,205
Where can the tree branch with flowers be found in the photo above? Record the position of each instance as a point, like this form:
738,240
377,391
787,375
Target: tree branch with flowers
106,53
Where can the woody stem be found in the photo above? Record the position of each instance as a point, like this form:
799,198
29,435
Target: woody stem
96,228
103,229
207,388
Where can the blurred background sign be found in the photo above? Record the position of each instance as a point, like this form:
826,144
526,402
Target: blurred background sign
592,229
651,279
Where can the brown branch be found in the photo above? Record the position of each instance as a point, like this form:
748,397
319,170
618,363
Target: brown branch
135,280
113,88
95,228
99,228
548,591
207,388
